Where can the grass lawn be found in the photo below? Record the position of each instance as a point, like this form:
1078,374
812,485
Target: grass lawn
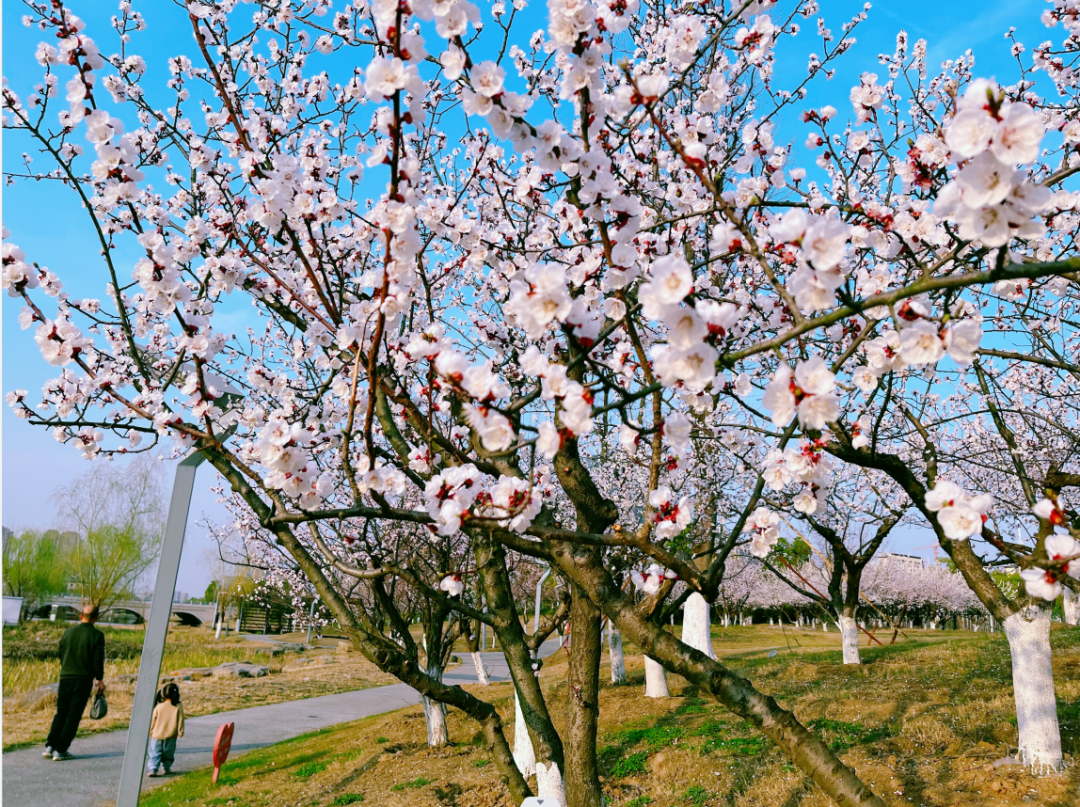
29,662
922,723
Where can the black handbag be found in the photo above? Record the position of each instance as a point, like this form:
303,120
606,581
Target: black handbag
99,708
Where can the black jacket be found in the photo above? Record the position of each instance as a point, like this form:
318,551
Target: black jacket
82,652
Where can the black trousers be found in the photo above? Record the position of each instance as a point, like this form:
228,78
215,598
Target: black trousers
70,705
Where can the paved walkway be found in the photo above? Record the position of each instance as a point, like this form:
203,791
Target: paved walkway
91,779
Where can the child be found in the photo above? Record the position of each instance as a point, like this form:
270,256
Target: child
166,725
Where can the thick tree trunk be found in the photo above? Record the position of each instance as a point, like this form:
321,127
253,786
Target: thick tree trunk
481,668
696,628
615,650
582,773
549,783
1070,604
524,756
655,679
808,752
537,746
849,638
1039,743
435,714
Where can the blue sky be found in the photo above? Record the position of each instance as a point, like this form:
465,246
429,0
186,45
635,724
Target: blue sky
47,222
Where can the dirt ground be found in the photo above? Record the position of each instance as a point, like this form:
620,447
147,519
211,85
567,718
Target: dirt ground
922,723
324,670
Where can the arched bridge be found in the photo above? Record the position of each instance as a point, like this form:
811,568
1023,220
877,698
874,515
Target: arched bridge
129,612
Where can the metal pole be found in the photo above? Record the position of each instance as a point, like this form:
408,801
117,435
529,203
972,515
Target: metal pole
157,628
536,613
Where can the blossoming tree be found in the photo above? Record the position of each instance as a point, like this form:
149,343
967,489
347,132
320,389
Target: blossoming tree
476,264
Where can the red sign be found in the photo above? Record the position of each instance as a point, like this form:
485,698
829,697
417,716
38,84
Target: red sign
222,744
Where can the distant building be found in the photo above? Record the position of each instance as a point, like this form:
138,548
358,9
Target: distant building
181,596
906,561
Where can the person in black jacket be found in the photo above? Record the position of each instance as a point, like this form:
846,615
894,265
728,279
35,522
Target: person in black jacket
82,670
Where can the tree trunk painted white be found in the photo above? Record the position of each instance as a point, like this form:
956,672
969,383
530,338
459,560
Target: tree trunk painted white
618,661
824,626
435,715
481,669
655,679
1071,606
1039,744
549,783
696,624
849,638
524,756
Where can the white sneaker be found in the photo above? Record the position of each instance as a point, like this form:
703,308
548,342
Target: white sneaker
47,752
61,756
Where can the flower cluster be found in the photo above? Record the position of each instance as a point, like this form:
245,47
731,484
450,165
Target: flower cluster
575,402
671,516
763,530
514,503
282,448
960,515
1061,549
449,496
649,581
810,391
808,465
991,199
818,246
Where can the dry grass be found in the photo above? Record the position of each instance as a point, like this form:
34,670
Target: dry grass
921,723
330,671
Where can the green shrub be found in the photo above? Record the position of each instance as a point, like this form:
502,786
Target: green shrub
691,706
628,766
841,736
696,795
655,737
414,784
307,770
347,798
744,746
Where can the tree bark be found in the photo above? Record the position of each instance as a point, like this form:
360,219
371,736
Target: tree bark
808,752
583,680
615,651
435,716
481,669
546,745
1071,606
696,627
655,679
524,756
849,638
1033,688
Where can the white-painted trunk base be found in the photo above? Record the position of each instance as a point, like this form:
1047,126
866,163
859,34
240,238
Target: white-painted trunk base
615,650
655,679
1071,605
849,639
696,624
1039,743
524,756
549,783
435,716
481,669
